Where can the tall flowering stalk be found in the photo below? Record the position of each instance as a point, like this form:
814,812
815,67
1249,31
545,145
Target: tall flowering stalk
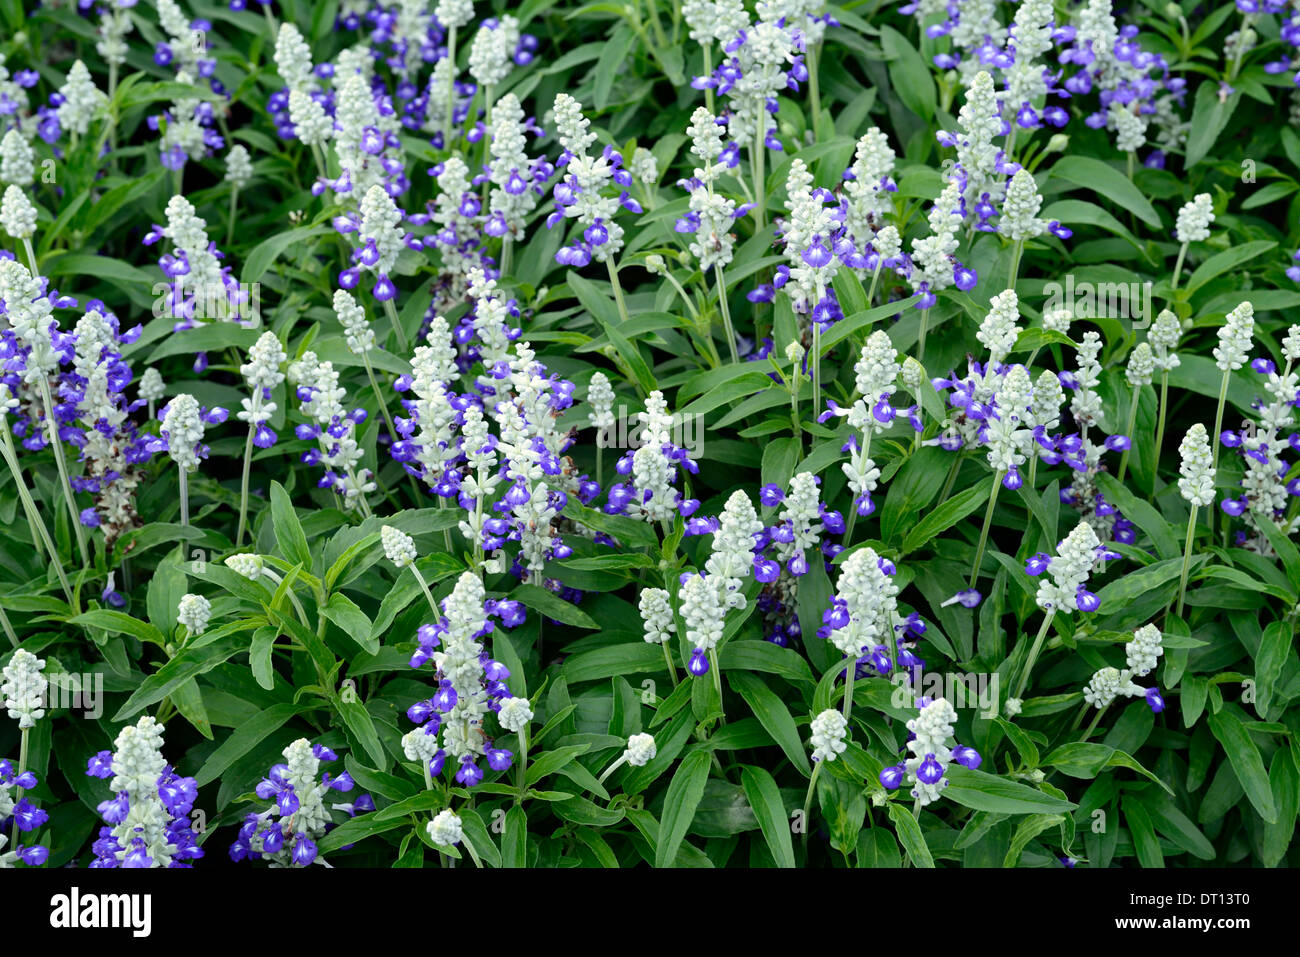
31,322
1062,591
285,834
860,622
1165,332
1235,340
1139,372
711,215
148,819
1196,485
262,374
1192,226
23,695
334,428
183,423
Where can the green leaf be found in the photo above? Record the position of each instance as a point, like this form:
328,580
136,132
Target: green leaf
1026,831
948,514
552,606
1105,180
909,73
1274,649
362,727
986,792
683,797
1085,760
765,799
344,612
773,715
1246,762
188,664
246,737
1209,116
269,250
288,530
119,623
1227,260
909,835
514,838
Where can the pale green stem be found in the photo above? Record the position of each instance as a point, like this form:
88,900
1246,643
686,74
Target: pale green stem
1214,440
717,683
875,276
1160,424
618,289
57,445
243,487
920,342
850,673
22,759
1034,649
814,93
522,765
756,159
451,88
391,311
668,660
1132,421
708,71
185,496
1187,561
612,768
1015,263
726,312
984,532
1178,266
39,533
425,588
807,802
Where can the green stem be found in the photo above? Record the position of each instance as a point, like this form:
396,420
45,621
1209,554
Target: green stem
726,312
612,768
807,802
708,71
1214,441
1132,420
40,534
57,445
22,759
185,496
920,342
1178,266
618,289
425,588
1015,263
757,157
984,532
521,769
849,674
717,683
814,94
1160,425
1187,560
668,659
451,89
391,311
243,487
1033,654
1092,725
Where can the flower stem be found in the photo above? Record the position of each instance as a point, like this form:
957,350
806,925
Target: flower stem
668,659
850,673
243,487
451,88
1160,425
425,588
920,342
57,445
1132,420
1214,441
618,289
1178,265
1033,654
984,532
1187,560
1015,263
708,71
391,311
185,496
756,160
726,313
521,769
814,94
612,768
807,802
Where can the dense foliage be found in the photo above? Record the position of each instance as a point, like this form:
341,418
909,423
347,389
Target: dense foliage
691,433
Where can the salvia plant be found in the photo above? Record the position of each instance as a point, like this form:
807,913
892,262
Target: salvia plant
691,433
